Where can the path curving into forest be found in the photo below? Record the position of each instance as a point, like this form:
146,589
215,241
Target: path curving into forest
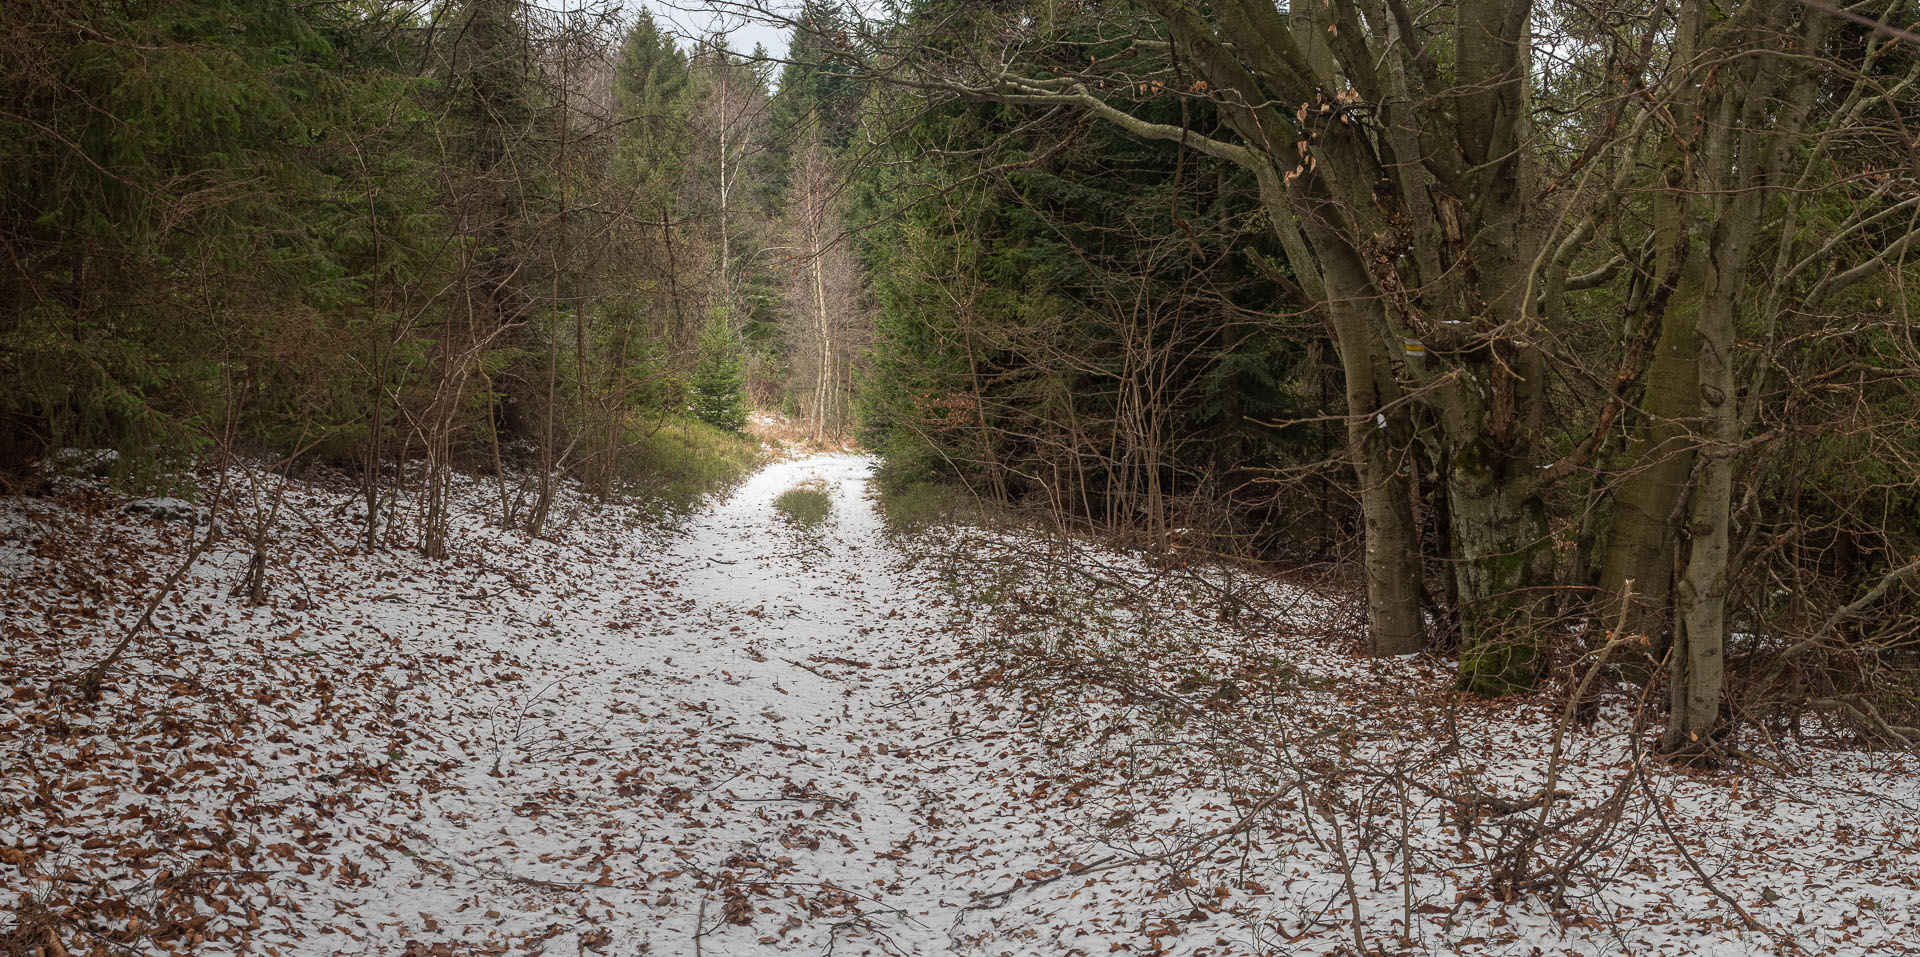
754,738
836,771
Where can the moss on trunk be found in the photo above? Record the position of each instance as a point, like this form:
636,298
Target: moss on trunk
1502,558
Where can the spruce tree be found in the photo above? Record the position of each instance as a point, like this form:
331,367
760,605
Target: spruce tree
717,390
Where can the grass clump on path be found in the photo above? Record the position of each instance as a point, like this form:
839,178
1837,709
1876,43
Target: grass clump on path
806,504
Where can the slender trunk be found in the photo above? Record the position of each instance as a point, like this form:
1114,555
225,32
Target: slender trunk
543,499
614,402
438,443
673,280
815,213
1378,444
1696,674
820,333
1660,449
370,478
726,249
1378,450
1697,666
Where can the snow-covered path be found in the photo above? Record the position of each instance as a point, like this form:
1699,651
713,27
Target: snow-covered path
750,736
805,671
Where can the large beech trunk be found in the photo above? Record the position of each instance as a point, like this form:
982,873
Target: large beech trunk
1502,558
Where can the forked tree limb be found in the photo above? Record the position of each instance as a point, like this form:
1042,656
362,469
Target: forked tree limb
91,682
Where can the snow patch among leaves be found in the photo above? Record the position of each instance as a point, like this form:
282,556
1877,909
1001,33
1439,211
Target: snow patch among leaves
735,736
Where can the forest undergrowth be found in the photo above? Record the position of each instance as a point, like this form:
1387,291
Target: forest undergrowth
1388,811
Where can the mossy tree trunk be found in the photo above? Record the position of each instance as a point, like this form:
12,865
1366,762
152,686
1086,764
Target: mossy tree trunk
1502,558
1658,465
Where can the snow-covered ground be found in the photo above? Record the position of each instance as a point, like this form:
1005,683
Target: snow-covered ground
734,736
